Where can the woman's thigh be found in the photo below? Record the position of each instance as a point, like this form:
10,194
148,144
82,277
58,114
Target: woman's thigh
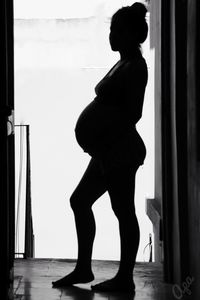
91,186
120,182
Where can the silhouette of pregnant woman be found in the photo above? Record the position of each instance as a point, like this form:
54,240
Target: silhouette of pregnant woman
106,130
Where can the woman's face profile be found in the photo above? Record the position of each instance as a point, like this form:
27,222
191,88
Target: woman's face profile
119,37
115,37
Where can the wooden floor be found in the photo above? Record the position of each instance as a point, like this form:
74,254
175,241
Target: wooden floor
33,279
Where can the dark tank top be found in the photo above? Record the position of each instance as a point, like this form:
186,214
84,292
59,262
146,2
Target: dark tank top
106,127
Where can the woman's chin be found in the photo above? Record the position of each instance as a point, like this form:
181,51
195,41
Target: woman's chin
114,48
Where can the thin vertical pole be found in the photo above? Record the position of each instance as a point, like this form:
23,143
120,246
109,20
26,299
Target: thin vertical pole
29,239
19,188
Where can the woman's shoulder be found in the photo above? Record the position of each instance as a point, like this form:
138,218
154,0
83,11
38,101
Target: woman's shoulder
135,63
135,67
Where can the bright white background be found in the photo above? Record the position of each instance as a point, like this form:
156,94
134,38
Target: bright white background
61,52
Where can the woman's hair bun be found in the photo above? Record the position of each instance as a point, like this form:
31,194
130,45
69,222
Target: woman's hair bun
132,18
139,10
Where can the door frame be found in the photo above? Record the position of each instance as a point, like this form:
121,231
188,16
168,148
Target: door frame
7,178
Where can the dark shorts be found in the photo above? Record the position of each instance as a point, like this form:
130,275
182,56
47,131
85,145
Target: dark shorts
129,149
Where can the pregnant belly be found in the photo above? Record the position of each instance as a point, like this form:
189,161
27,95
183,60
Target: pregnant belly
97,126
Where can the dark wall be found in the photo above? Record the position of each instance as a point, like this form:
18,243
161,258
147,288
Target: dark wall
7,189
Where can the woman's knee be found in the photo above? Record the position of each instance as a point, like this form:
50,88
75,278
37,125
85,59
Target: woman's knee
74,201
123,211
78,202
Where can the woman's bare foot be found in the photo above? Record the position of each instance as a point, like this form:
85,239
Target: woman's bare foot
115,285
74,278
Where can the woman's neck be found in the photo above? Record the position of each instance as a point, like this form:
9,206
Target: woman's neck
129,53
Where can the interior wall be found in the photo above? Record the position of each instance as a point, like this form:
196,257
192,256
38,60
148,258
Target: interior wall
166,186
155,43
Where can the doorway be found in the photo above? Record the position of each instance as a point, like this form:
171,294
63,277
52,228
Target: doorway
59,58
